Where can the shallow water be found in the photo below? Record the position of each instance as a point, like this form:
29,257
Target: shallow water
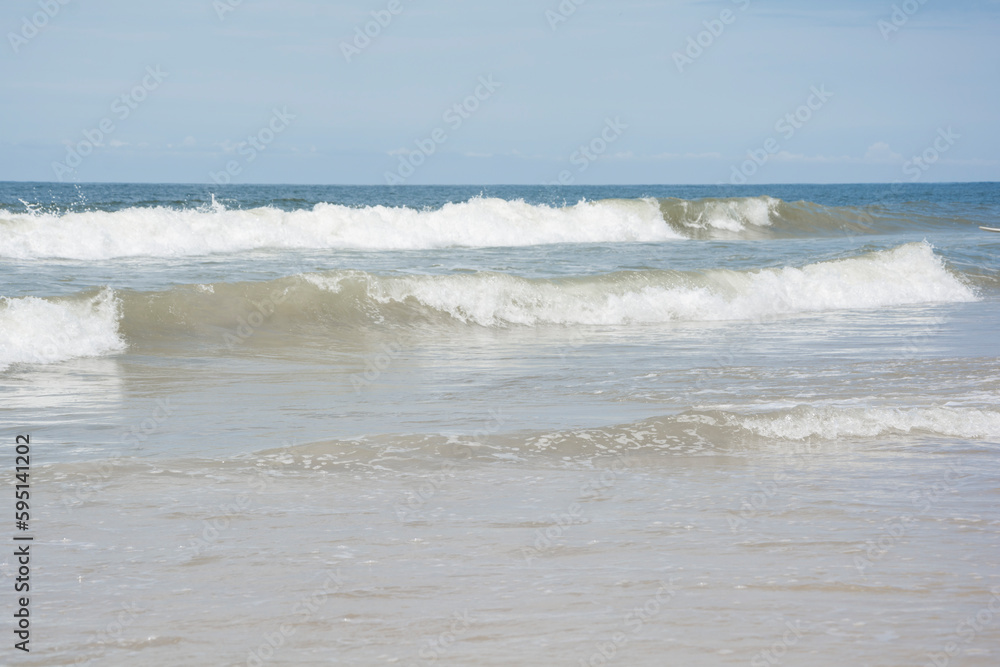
656,425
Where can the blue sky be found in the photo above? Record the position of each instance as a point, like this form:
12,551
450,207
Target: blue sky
278,91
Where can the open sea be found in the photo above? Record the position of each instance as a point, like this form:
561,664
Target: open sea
504,425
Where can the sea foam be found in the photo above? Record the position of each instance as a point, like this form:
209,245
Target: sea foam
830,423
909,274
44,331
480,222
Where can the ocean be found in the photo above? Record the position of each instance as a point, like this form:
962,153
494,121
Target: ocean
504,425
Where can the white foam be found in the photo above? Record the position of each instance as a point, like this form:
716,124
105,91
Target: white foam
909,274
41,331
833,424
732,215
479,222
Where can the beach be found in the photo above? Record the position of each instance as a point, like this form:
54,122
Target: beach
533,425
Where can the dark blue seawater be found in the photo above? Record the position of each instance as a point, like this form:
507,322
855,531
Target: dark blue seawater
979,199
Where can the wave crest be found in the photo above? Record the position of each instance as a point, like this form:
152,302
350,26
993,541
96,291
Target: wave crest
909,274
45,331
479,222
162,231
326,306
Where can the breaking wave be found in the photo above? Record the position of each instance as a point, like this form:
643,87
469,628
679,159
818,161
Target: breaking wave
479,222
909,274
170,232
43,331
36,330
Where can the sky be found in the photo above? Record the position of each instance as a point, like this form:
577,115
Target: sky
514,92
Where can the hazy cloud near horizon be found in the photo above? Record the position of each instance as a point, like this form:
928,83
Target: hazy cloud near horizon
425,91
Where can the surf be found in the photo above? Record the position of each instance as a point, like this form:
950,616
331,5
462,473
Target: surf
341,305
479,222
162,231
46,331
